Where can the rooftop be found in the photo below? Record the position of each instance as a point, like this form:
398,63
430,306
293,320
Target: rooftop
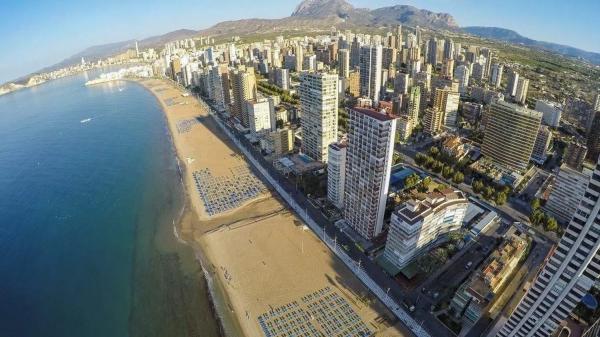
382,116
414,210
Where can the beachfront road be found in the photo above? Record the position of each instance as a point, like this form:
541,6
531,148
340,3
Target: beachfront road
382,285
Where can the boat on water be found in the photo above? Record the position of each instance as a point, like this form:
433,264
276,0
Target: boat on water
85,120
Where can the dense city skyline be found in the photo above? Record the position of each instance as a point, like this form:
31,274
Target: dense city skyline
85,24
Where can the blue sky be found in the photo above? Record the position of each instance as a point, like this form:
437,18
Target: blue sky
38,33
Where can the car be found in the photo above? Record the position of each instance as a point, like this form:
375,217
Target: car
469,264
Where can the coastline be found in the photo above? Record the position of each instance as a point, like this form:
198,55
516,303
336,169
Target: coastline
217,297
257,255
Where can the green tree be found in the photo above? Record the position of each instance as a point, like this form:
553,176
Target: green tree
411,181
434,151
420,159
535,204
447,172
397,158
437,166
537,217
551,224
477,186
488,192
458,178
500,198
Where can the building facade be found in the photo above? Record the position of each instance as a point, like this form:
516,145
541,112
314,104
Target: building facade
368,166
567,191
417,225
336,174
319,111
568,274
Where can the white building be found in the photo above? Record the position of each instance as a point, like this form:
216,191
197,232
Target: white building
496,75
368,166
370,71
418,225
540,147
568,274
569,187
552,112
344,63
259,115
336,173
462,75
319,111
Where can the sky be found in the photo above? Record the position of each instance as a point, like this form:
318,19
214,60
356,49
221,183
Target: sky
39,33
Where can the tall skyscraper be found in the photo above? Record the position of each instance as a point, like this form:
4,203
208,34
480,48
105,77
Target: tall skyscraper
215,90
244,89
432,51
513,81
449,49
414,104
462,75
319,111
593,142
496,75
299,57
510,135
540,147
567,191
597,103
575,155
521,92
446,100
368,166
336,174
370,71
355,53
568,274
344,63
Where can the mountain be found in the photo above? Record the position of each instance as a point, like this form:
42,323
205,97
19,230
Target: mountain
309,15
507,35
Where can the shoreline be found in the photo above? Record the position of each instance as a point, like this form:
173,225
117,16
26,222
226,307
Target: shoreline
226,321
256,253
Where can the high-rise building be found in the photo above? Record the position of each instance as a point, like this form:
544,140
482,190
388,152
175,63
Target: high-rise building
575,155
597,103
299,57
401,84
414,104
355,53
496,75
216,87
446,100
319,111
244,89
462,75
344,63
433,121
522,88
593,330
567,191
540,147
449,49
593,143
432,51
259,115
513,81
336,174
283,141
566,277
281,78
175,69
354,83
368,166
551,112
510,135
370,71
418,225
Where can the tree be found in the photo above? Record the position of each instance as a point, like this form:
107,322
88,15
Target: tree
420,159
397,158
458,178
434,151
411,181
501,198
477,186
537,217
551,224
426,182
437,166
447,172
488,192
535,204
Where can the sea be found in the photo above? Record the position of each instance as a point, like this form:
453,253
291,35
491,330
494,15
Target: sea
89,193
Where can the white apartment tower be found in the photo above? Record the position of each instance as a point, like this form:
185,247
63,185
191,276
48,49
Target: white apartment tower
368,166
336,173
567,275
370,71
462,75
344,63
418,225
319,111
569,187
259,115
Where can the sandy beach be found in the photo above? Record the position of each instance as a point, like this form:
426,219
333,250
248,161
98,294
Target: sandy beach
271,271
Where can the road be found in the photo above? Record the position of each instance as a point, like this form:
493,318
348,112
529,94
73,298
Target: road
335,238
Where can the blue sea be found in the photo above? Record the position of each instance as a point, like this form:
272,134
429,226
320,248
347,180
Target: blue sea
89,190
